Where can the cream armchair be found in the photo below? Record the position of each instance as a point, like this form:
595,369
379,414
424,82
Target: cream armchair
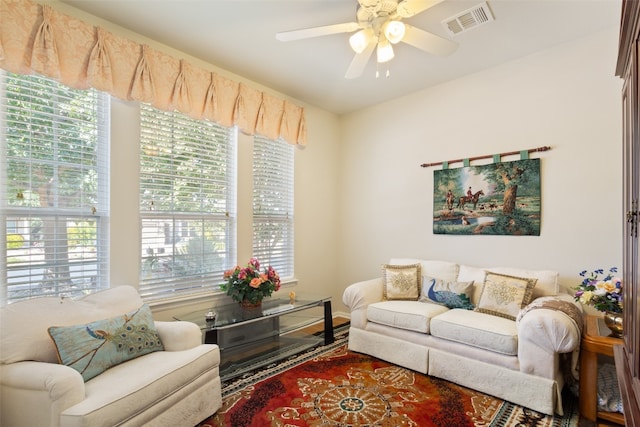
177,386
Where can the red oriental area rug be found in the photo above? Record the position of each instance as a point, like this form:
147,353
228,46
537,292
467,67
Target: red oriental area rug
342,388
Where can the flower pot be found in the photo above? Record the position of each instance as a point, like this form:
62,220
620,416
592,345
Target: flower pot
614,323
248,304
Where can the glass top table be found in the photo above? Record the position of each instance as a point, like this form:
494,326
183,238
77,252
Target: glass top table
231,314
254,337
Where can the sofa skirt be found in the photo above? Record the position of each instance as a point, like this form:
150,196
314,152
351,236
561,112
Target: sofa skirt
537,393
397,351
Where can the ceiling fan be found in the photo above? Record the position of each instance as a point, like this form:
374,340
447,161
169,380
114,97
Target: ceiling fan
378,26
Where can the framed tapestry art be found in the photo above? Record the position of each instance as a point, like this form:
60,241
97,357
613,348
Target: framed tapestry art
501,198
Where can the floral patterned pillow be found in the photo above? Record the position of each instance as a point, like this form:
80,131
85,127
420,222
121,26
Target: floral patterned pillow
401,282
504,295
97,346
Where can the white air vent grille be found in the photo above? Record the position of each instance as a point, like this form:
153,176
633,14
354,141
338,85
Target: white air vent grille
471,18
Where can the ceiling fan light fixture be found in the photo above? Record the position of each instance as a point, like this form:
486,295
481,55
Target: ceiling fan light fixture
394,31
384,51
359,41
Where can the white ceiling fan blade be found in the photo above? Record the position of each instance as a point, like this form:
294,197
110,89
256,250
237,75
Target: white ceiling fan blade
409,8
359,62
428,42
326,30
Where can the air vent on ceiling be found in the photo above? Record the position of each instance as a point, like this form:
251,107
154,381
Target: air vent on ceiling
471,18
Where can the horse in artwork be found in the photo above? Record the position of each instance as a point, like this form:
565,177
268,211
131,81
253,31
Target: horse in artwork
450,200
462,201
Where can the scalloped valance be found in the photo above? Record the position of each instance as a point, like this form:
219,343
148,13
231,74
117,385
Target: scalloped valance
36,38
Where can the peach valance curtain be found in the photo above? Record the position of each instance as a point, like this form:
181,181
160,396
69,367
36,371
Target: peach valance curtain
37,38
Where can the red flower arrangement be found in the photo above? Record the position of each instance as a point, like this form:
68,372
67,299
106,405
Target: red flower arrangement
248,284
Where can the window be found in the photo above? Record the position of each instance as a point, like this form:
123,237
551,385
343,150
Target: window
53,188
187,203
273,204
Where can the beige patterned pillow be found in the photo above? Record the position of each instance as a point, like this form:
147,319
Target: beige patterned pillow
402,282
504,295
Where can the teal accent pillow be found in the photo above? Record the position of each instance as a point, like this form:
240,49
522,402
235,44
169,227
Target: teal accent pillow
97,346
449,294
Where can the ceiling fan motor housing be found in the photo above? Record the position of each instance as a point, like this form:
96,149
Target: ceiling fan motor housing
371,10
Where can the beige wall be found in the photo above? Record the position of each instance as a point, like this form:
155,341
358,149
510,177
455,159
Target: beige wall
566,97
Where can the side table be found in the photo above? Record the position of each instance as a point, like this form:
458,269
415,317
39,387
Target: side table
595,341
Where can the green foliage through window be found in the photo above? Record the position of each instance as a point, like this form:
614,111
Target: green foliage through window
55,197
187,203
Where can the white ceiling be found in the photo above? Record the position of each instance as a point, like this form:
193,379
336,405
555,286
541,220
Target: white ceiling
239,36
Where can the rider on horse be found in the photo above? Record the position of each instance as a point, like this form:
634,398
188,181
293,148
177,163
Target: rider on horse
449,199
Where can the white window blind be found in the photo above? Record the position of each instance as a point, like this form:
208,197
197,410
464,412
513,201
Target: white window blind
54,188
273,204
187,203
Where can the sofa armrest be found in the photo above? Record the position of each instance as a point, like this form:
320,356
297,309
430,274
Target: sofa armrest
179,335
548,326
358,296
35,393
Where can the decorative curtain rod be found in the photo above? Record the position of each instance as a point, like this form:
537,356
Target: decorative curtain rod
489,156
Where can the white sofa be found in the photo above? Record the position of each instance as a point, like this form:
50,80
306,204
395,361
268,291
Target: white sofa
515,360
178,386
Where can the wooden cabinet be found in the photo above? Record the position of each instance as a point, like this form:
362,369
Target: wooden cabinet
627,354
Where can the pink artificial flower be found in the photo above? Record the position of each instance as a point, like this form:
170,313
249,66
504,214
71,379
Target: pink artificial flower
273,274
254,263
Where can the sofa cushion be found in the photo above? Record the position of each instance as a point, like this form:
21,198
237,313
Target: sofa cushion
94,347
448,293
477,329
410,315
24,324
546,280
504,295
444,270
546,285
401,282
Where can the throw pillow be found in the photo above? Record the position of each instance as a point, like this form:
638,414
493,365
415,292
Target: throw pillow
401,282
504,295
97,346
449,294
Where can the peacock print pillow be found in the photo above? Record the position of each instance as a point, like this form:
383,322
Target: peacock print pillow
97,346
